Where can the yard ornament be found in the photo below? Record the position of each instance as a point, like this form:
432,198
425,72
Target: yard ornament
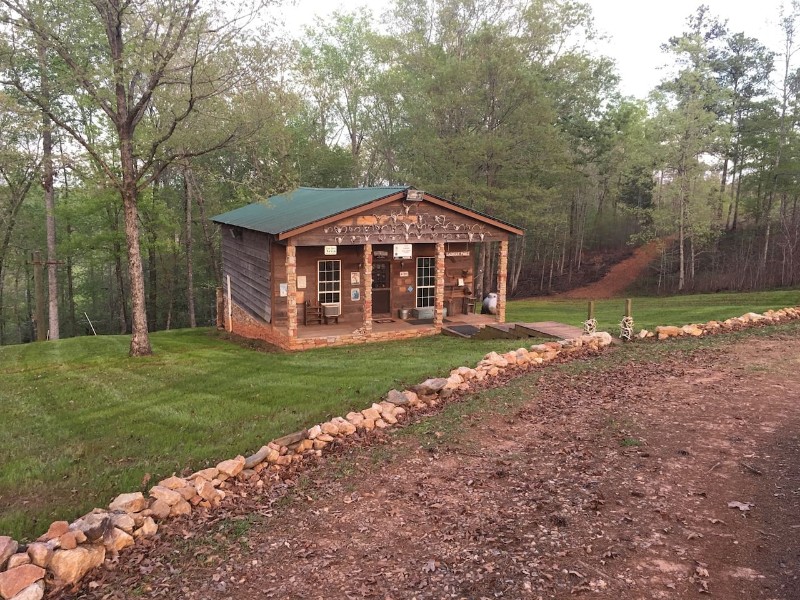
490,304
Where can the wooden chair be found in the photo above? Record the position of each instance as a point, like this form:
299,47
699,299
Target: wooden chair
312,314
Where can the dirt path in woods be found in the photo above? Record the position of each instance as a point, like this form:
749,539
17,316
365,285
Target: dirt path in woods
605,479
620,276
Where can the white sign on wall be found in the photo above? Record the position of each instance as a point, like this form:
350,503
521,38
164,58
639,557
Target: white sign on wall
403,250
330,250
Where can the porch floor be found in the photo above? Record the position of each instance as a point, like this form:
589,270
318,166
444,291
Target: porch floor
391,324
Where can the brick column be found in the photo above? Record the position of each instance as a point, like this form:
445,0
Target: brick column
502,281
438,313
291,280
367,287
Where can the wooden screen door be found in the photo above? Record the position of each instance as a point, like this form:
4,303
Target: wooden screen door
381,290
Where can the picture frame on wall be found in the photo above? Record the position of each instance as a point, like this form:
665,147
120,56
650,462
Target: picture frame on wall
355,295
355,278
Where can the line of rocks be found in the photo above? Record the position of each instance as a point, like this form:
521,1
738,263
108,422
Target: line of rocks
68,551
770,317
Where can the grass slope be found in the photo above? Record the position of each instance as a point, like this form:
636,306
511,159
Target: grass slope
649,312
83,422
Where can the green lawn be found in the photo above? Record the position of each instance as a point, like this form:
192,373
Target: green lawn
648,312
83,422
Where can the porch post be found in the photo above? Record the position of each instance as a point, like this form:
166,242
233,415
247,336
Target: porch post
367,287
291,281
502,281
438,313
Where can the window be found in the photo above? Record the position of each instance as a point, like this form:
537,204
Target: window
329,281
426,282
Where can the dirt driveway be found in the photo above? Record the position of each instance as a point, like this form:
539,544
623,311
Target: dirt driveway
607,478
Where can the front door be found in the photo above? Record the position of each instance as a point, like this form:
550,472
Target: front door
381,290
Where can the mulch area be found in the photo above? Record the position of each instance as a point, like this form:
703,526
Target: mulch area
613,483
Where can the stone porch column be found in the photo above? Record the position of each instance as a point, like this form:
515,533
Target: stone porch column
502,281
438,313
291,280
367,260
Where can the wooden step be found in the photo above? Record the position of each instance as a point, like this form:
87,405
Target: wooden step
494,331
560,331
461,330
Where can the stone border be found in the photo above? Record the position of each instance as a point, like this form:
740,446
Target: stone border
68,551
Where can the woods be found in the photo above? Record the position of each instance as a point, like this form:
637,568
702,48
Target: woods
125,125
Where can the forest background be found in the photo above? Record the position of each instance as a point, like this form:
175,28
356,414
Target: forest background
125,125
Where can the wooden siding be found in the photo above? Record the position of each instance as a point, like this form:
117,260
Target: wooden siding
402,222
280,306
246,258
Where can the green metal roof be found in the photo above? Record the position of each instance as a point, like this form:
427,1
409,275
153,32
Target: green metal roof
302,206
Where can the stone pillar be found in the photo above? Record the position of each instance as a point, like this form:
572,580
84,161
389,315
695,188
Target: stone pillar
502,281
367,277
291,281
438,313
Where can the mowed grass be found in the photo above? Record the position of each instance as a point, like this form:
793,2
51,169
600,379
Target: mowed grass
649,312
83,422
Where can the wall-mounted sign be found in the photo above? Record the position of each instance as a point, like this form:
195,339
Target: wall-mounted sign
330,250
381,254
355,294
459,253
355,278
283,290
301,282
402,251
403,273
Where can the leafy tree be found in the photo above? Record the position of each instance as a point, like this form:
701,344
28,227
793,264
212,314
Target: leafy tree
123,59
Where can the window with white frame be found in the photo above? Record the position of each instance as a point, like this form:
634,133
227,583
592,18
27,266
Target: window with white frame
329,281
426,281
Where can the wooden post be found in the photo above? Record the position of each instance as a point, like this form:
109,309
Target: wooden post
590,311
438,313
228,309
627,307
502,282
367,260
291,281
39,319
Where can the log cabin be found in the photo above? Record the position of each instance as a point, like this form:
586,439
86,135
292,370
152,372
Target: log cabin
325,267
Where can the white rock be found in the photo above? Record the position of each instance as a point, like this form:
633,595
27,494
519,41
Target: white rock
69,566
133,502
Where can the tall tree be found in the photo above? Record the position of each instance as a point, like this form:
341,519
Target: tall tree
123,58
689,105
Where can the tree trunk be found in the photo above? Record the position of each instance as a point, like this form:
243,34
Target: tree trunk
208,238
152,262
189,262
140,340
682,237
49,202
480,291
